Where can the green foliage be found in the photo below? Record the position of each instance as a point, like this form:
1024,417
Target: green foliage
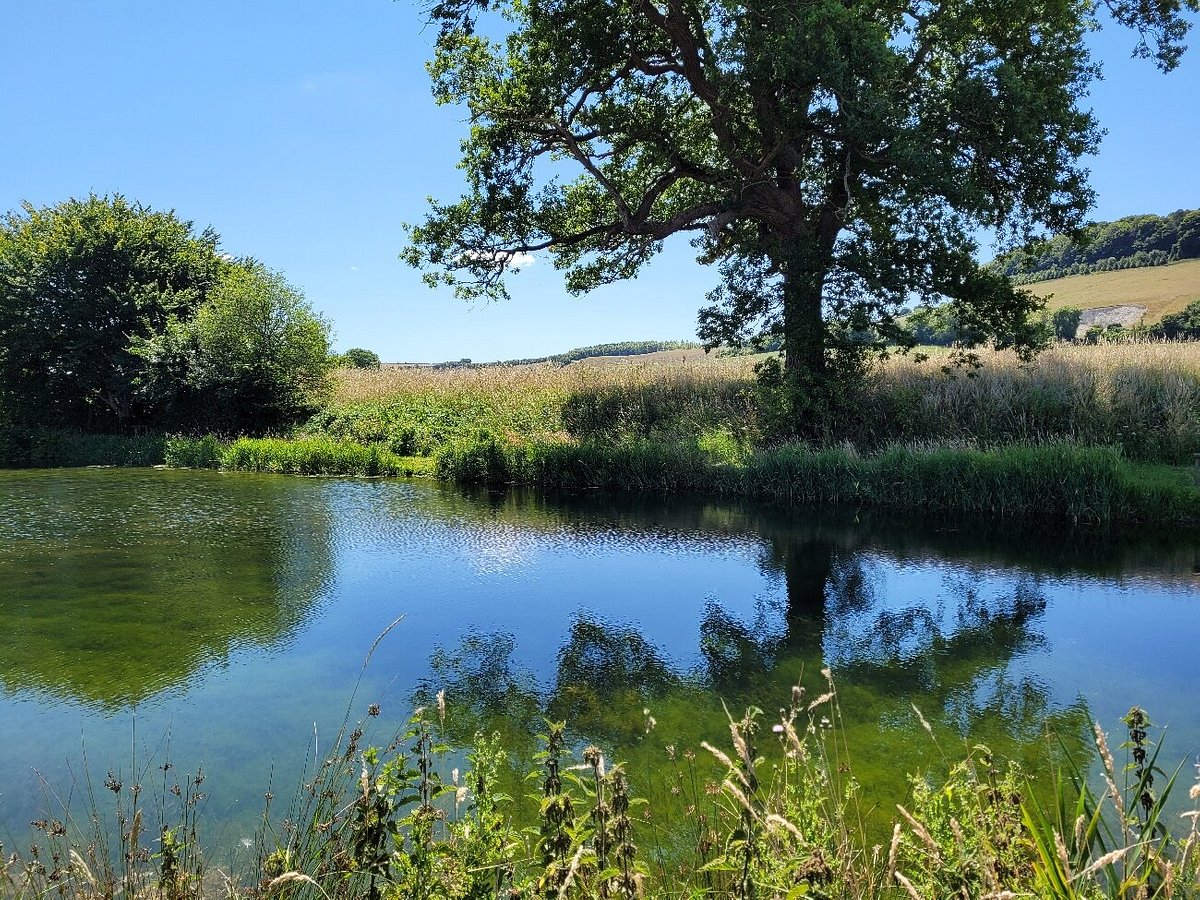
358,358
771,814
834,161
965,835
1183,325
205,452
1051,482
23,447
670,409
936,326
115,317
82,285
1127,243
311,456
1064,322
255,356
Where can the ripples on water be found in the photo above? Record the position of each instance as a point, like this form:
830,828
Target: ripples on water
222,620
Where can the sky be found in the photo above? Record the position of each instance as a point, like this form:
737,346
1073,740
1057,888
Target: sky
305,134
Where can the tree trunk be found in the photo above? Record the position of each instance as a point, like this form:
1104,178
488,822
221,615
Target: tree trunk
807,567
806,377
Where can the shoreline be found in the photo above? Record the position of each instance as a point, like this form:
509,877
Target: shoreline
1058,482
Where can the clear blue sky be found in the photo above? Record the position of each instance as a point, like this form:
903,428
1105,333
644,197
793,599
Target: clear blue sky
304,133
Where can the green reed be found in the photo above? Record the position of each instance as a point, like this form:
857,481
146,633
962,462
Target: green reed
292,456
1058,482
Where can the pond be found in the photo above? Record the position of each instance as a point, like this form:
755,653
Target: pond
221,621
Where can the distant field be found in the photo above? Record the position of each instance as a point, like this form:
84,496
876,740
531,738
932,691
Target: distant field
1161,289
660,357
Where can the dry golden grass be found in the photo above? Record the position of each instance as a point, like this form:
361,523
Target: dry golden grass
544,379
1104,360
390,382
1161,289
1143,397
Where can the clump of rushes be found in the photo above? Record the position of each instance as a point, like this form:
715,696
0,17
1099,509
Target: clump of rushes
780,822
1050,482
296,456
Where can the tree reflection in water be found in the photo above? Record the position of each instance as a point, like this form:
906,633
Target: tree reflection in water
960,667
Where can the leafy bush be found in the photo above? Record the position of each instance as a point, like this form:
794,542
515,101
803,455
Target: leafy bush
358,358
1183,325
83,286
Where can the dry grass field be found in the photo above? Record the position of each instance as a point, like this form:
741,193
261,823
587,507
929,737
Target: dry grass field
1161,289
1144,397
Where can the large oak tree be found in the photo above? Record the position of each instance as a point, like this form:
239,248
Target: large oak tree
836,158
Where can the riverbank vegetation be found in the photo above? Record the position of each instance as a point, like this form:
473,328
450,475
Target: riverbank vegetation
774,813
1083,433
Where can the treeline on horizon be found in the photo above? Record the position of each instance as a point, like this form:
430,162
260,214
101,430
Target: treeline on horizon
620,348
1128,243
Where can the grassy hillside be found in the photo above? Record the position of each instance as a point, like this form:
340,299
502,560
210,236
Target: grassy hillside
1161,289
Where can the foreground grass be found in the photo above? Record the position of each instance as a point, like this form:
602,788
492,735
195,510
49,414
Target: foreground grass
775,814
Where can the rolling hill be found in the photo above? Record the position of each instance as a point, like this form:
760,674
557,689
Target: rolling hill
1160,289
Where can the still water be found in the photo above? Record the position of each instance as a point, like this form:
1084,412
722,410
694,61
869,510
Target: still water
221,621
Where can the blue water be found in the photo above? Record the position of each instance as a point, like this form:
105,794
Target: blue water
221,621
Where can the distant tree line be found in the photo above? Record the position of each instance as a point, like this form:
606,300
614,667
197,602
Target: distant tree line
118,318
1128,243
621,348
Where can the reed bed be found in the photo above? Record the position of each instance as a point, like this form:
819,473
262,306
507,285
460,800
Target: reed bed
1142,397
417,411
294,456
773,813
1049,483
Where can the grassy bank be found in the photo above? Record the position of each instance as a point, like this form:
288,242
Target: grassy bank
1084,434
775,813
1049,482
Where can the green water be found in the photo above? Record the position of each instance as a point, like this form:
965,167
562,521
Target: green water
221,620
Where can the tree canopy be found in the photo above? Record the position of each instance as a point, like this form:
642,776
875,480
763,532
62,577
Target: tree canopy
254,357
360,358
81,283
115,317
836,158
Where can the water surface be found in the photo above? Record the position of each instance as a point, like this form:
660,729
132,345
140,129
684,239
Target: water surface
221,620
